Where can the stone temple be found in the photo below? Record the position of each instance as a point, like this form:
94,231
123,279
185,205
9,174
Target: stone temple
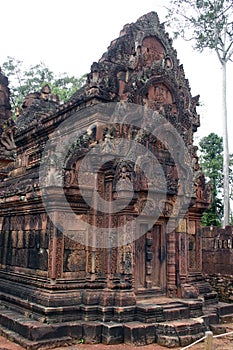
101,201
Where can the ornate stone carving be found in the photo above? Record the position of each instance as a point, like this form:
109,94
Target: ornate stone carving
35,106
101,255
7,127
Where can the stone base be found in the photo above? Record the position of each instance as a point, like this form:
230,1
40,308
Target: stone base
41,313
54,303
33,334
165,321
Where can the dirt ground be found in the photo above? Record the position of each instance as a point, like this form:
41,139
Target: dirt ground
223,343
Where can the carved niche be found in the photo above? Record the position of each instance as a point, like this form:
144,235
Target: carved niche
152,50
156,95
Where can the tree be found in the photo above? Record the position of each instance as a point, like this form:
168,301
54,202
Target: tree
210,24
211,161
24,80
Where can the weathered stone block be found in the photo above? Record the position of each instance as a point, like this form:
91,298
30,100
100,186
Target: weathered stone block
124,314
227,318
112,333
185,340
92,332
107,298
134,333
91,297
149,313
218,329
89,313
105,314
150,333
168,341
125,298
210,319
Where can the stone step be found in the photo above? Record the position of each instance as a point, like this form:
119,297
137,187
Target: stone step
218,313
205,289
210,318
195,307
169,324
162,312
218,329
36,330
180,333
226,318
169,334
33,334
34,345
176,313
211,298
224,309
149,313
167,311
172,305
156,292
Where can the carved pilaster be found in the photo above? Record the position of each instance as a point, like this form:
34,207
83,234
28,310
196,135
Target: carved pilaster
171,259
56,252
181,233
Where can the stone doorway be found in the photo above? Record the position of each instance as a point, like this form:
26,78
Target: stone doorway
150,260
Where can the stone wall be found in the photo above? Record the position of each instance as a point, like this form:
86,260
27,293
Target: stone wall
217,260
217,250
223,285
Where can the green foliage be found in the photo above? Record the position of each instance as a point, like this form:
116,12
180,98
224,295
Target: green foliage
211,148
210,218
208,22
24,80
211,161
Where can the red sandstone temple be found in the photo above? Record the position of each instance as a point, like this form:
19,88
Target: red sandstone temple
101,206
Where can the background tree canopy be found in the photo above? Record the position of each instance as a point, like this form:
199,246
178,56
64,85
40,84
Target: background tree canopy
211,161
24,80
209,23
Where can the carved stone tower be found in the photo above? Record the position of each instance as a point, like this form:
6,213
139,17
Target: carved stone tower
103,207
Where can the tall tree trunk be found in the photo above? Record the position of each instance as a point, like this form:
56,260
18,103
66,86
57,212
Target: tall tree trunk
225,149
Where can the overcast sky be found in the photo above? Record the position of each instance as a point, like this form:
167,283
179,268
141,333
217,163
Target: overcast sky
69,35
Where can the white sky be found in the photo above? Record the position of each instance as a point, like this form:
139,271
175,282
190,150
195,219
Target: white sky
69,35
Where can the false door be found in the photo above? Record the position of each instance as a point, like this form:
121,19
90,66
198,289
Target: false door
150,260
